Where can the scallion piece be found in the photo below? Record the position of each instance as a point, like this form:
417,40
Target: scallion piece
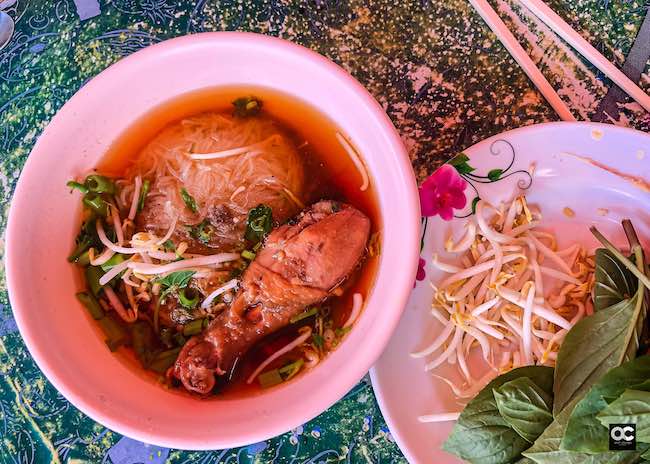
164,360
114,261
84,259
96,203
318,341
143,194
342,331
247,254
304,315
99,184
189,200
290,370
91,305
169,245
76,185
188,298
193,328
116,336
270,378
93,273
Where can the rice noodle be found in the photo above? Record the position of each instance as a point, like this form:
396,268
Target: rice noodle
169,233
224,288
356,160
233,151
287,348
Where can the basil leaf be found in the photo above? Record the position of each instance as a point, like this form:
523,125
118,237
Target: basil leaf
481,435
178,279
632,407
525,407
584,432
258,223
614,282
613,334
546,449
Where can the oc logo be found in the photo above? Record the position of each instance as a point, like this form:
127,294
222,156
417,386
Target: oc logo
622,437
622,433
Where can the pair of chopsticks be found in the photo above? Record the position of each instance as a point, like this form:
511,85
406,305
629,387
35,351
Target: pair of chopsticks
557,24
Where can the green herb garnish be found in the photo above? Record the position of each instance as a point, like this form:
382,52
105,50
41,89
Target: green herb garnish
169,245
114,261
318,341
174,282
76,185
194,327
290,370
99,184
270,378
201,231
258,223
95,203
247,254
189,200
304,315
247,106
143,194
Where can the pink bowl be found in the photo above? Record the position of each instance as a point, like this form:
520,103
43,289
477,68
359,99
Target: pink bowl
43,223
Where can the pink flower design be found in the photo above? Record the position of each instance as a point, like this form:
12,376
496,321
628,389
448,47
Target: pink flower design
421,272
442,193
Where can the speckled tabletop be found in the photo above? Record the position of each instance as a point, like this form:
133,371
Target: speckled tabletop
442,77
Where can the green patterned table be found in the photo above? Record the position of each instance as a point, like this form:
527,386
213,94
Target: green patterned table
440,74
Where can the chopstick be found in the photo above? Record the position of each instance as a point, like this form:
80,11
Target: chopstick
519,54
560,27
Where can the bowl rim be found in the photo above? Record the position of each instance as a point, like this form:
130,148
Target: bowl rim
312,408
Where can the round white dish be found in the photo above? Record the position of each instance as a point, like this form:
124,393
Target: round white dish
597,171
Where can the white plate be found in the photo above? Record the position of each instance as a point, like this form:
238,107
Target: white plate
596,170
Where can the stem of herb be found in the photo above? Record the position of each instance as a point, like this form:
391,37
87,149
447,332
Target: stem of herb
99,184
76,185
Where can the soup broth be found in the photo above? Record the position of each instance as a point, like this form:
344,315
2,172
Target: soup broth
304,163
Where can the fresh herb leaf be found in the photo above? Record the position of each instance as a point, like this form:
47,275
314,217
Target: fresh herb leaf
481,435
143,194
169,245
632,407
613,334
201,231
525,407
247,106
258,223
189,200
174,282
614,282
584,432
546,449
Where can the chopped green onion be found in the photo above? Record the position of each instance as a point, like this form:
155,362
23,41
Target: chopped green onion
290,370
143,194
318,341
189,200
342,331
83,260
257,246
188,298
164,360
99,184
169,245
193,328
114,261
76,185
93,273
304,315
91,305
247,254
270,378
116,336
96,203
